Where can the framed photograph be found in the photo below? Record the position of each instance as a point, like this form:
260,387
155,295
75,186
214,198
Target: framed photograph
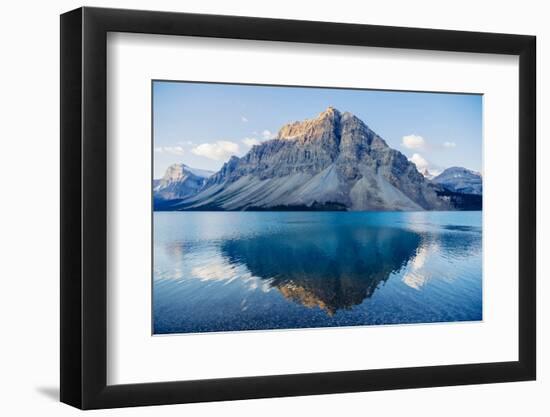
256,207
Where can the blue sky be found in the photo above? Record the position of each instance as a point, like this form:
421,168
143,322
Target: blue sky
202,125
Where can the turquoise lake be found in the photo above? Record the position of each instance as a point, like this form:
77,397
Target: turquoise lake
234,271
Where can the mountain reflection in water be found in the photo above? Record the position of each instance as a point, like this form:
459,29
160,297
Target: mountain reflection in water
328,268
250,271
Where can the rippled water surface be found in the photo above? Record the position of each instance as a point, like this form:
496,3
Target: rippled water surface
224,271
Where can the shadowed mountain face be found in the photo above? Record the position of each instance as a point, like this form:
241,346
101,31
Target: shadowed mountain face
329,270
334,161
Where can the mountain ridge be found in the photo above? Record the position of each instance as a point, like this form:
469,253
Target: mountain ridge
332,161
461,180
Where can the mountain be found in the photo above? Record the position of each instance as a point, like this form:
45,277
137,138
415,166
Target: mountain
331,162
427,174
337,279
460,180
179,182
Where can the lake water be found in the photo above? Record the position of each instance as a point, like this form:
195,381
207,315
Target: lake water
226,271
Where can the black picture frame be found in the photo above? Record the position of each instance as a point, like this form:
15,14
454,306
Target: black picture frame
84,207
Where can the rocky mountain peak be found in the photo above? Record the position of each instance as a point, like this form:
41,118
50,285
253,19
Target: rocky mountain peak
326,121
175,172
330,112
180,181
179,171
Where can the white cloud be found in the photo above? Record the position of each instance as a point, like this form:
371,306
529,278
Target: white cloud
413,142
174,150
218,151
422,164
244,119
419,161
416,277
214,271
266,134
418,142
250,141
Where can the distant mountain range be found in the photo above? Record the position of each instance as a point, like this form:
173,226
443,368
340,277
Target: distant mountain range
332,162
460,180
180,182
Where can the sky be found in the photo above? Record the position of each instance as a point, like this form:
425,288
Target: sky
203,124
